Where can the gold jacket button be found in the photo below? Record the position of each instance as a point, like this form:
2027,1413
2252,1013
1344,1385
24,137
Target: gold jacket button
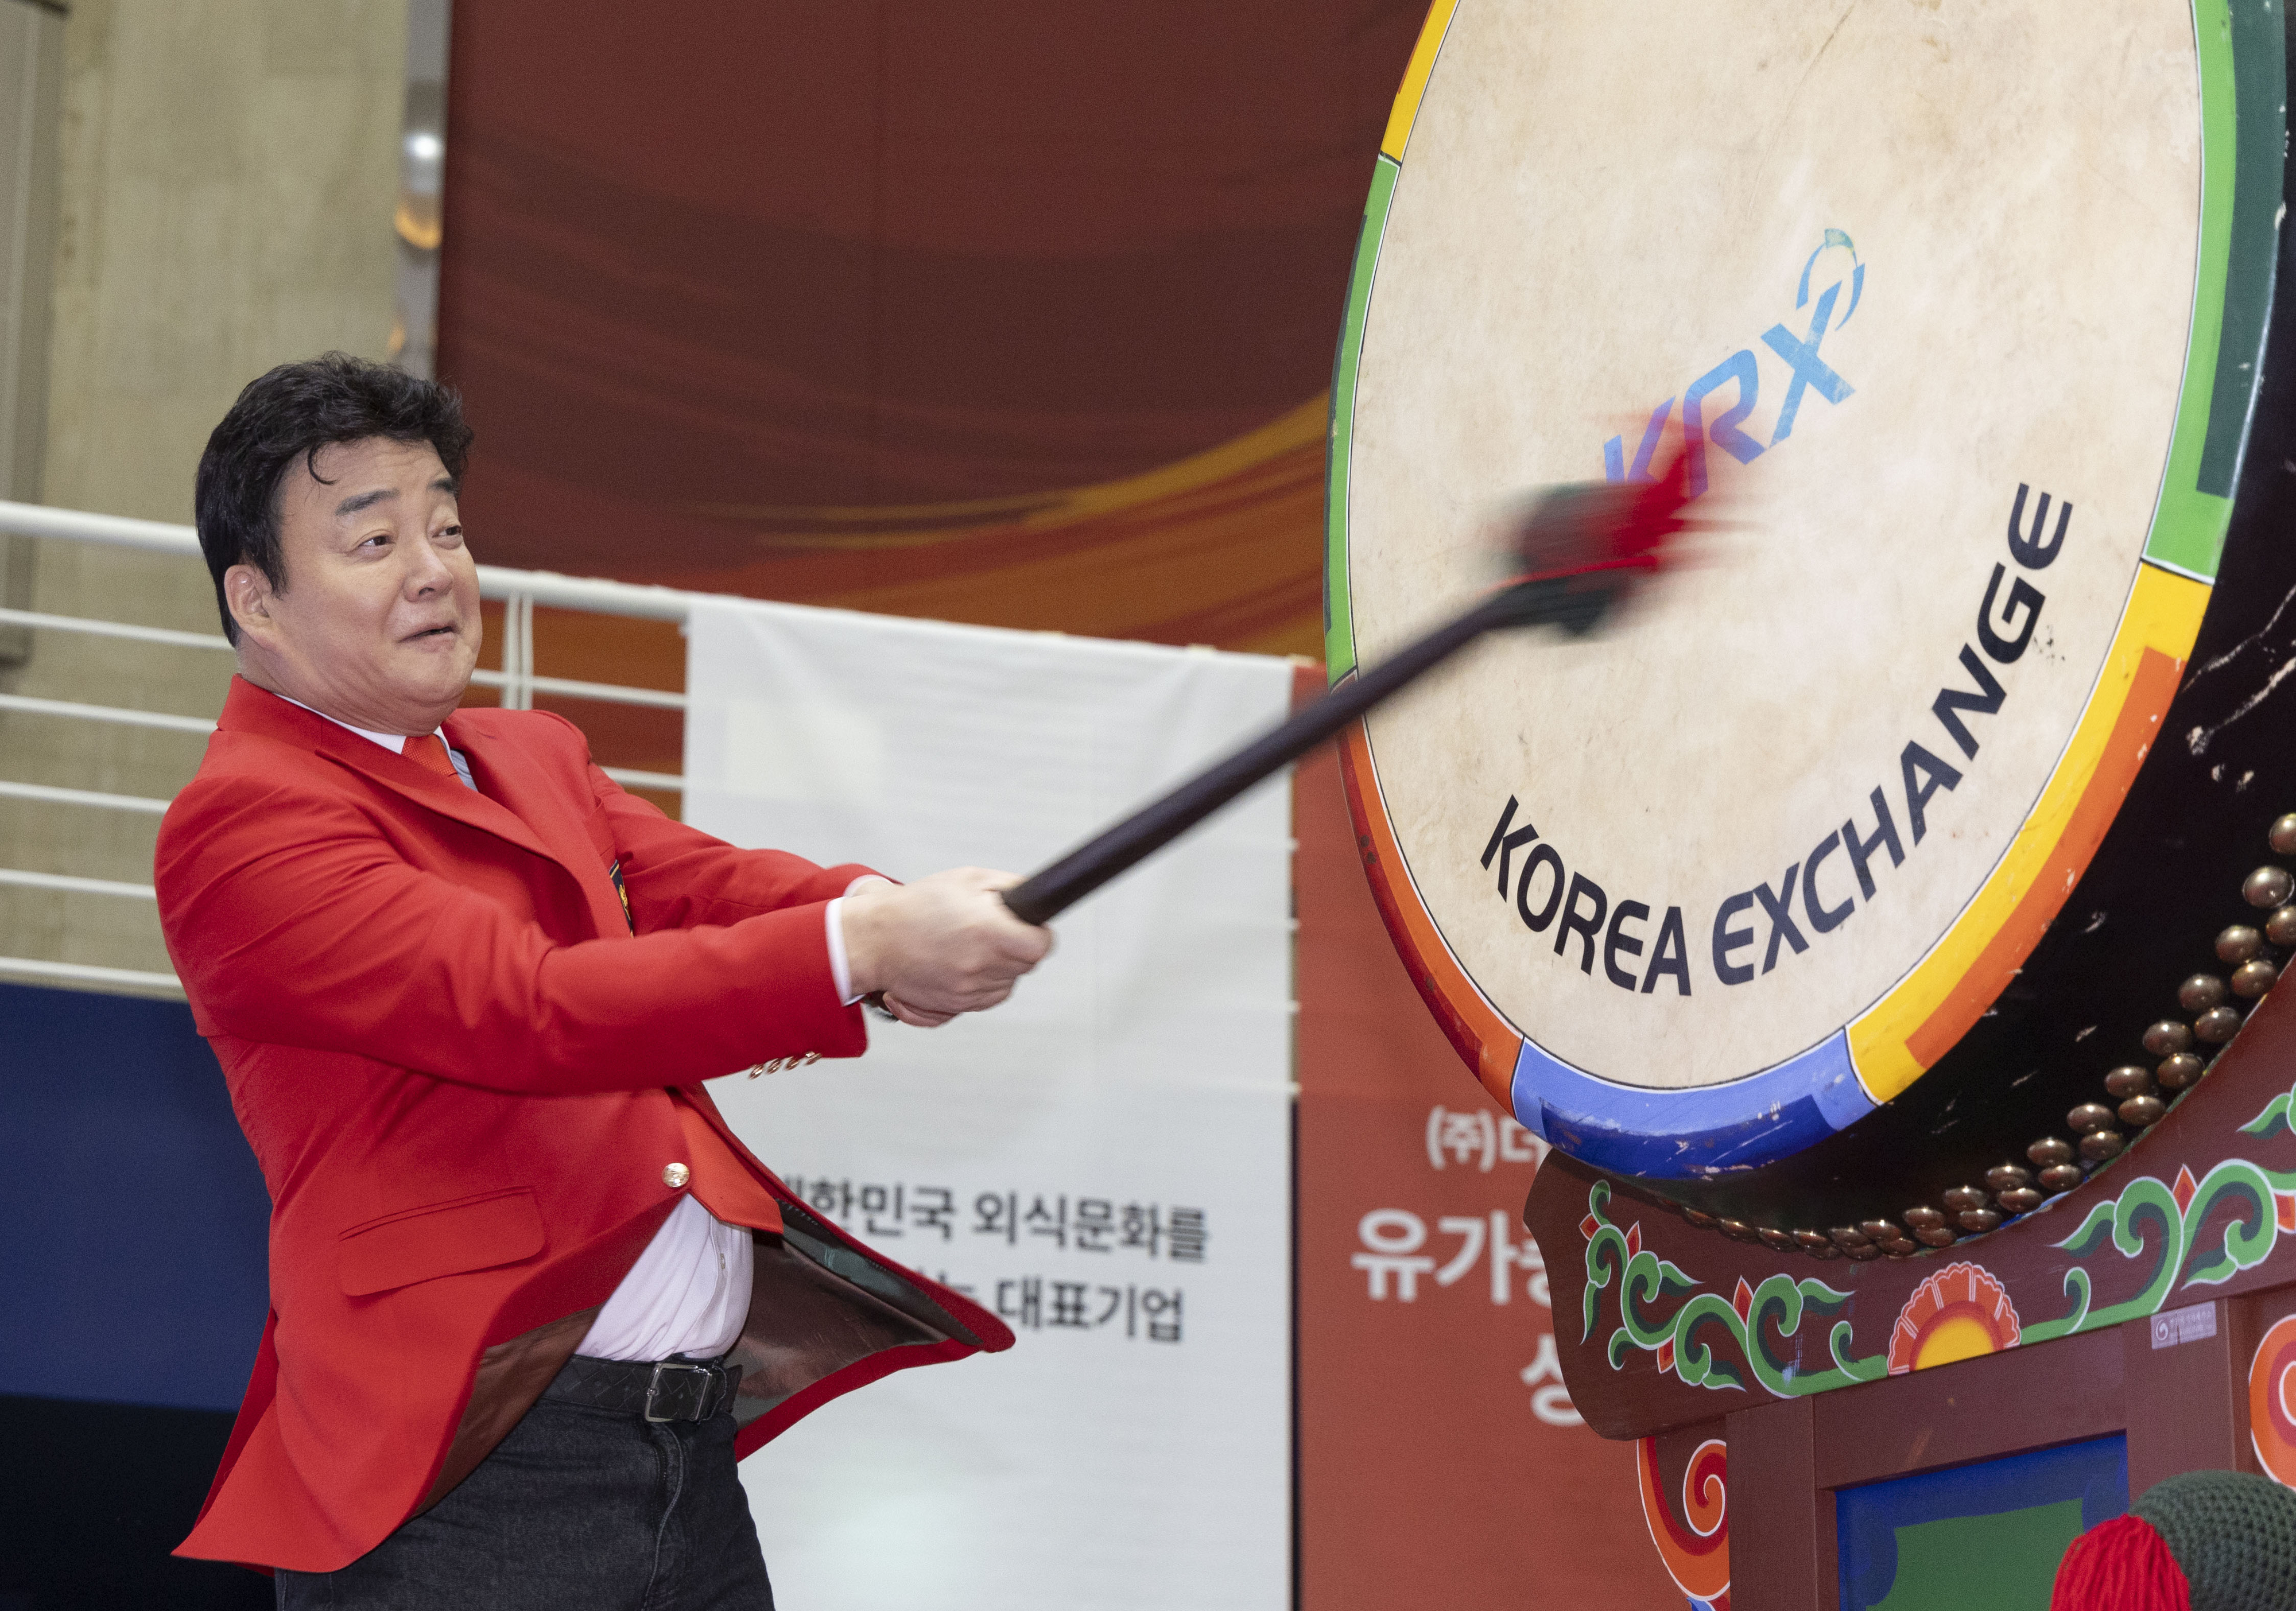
675,1175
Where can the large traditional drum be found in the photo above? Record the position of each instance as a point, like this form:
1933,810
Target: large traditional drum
1902,854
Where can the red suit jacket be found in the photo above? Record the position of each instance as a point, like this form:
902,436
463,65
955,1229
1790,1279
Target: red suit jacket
465,1069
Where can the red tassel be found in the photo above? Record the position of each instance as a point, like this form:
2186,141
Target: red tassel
2121,1565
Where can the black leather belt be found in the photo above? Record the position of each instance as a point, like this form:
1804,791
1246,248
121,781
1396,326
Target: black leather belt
660,1390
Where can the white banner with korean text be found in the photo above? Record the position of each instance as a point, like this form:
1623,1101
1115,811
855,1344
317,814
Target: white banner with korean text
1104,1160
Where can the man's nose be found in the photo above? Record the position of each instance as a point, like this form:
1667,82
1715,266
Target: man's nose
427,571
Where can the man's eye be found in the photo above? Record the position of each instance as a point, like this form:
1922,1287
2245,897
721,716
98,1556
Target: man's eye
448,533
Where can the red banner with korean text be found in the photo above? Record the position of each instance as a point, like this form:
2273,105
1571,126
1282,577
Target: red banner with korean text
1440,1461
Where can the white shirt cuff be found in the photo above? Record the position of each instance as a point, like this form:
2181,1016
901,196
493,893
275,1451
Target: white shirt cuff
841,972
840,976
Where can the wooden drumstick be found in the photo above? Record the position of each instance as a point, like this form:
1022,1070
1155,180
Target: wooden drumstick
1577,552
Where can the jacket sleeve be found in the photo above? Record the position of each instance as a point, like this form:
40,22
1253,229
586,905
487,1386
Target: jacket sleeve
293,920
678,877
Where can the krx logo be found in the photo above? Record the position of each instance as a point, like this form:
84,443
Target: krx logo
1739,378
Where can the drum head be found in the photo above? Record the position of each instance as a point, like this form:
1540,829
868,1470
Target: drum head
1947,305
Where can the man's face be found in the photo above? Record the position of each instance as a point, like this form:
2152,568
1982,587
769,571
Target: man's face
378,624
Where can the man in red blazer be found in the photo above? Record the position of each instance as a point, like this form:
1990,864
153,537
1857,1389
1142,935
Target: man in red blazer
530,1297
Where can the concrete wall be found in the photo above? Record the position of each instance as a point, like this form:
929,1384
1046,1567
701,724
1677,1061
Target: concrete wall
31,94
227,172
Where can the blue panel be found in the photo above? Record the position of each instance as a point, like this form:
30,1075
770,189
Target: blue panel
132,1214
1869,1517
1680,1134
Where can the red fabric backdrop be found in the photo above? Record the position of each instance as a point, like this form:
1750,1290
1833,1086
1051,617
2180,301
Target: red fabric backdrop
746,296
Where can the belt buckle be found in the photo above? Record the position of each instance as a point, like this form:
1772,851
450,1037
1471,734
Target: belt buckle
654,1389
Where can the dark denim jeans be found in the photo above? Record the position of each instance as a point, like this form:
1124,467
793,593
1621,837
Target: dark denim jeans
577,1509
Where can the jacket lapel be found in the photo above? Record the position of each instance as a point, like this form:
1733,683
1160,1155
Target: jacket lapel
537,801
251,709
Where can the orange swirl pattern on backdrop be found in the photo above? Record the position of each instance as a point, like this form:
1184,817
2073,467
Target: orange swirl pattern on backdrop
1223,548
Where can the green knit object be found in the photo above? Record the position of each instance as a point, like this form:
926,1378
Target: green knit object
2234,1536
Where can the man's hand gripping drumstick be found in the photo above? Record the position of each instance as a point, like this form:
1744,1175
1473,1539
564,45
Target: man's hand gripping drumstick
945,945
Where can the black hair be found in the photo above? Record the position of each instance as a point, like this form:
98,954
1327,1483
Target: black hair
292,412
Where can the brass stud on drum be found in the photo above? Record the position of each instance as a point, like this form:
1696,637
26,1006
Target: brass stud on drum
2060,1177
2282,836
2102,1146
1739,1230
2007,1177
2168,1037
2280,927
2267,886
2022,1199
1846,1237
1979,1221
1863,1252
2216,1025
1889,1236
2131,1079
2199,992
2088,1118
1923,1218
2237,943
1962,1199
2253,978
2175,1073
2139,1111
1781,1240
1939,1237
1814,1241
2049,1151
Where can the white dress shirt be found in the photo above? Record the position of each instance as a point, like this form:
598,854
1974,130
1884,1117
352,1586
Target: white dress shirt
689,1292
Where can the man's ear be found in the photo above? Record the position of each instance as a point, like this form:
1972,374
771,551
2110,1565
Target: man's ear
248,591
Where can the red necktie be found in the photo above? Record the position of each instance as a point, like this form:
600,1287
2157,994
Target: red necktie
429,751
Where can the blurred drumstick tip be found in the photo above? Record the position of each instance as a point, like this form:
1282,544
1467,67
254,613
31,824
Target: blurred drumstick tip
1577,552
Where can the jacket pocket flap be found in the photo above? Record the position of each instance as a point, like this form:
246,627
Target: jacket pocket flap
444,1239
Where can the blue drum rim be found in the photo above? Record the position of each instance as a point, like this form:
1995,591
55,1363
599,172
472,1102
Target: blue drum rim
1688,1134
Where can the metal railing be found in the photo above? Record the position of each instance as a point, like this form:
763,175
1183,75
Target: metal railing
518,590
